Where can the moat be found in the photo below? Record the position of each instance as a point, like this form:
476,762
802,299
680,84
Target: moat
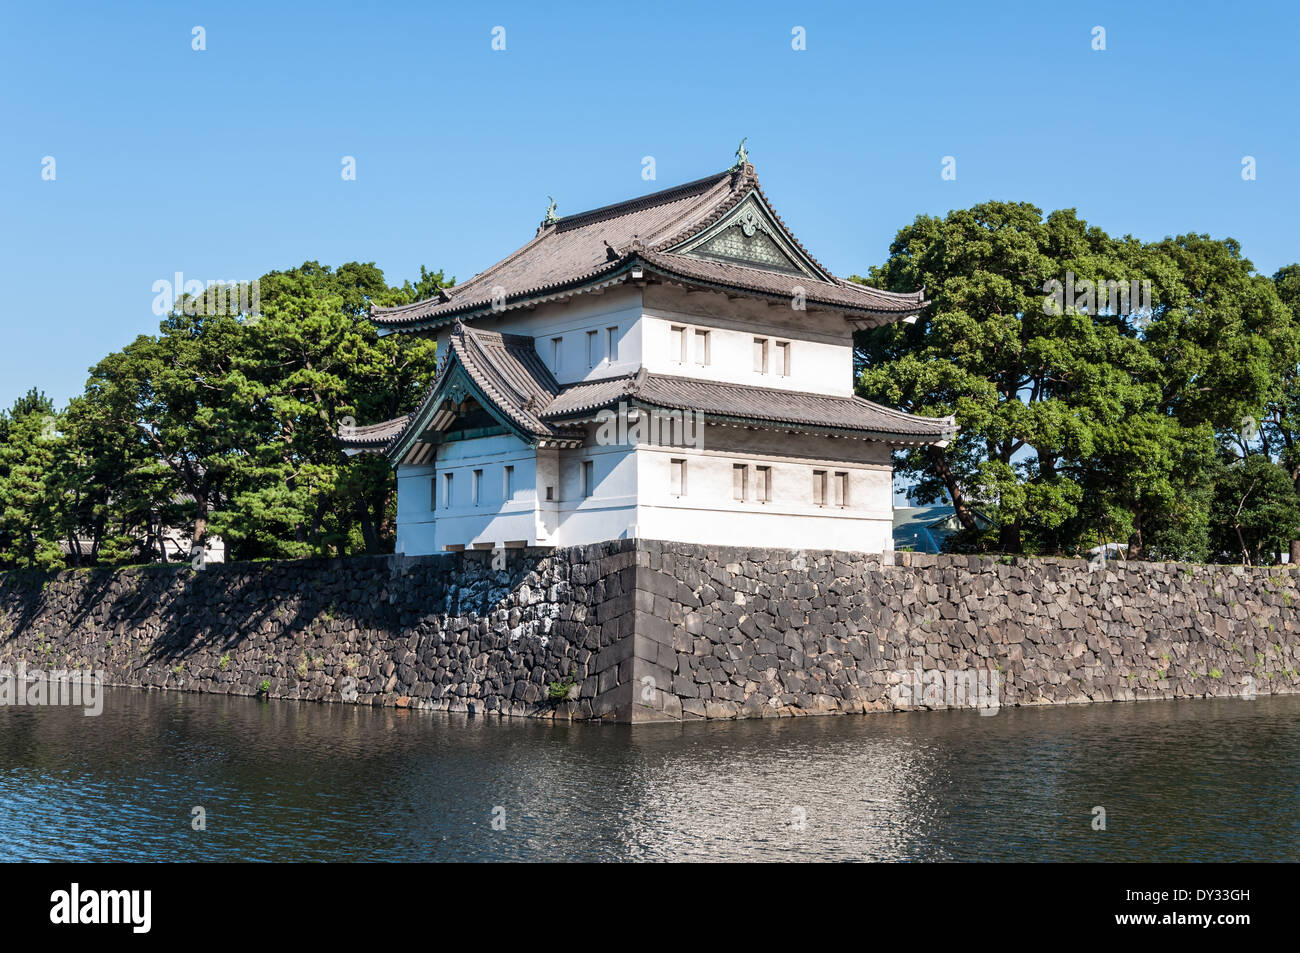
1186,780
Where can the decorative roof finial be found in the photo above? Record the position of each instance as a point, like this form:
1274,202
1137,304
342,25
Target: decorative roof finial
551,217
742,157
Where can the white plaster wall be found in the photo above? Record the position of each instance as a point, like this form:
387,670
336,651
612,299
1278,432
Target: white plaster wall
631,494
708,512
610,512
570,321
492,521
821,343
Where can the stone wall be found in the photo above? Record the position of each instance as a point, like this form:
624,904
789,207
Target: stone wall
447,632
650,631
756,633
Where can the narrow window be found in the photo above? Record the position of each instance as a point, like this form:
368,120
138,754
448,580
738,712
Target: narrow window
701,346
555,353
783,358
677,345
763,484
433,493
508,483
819,487
677,478
760,355
841,489
446,489
550,494
476,487
739,481
611,345
588,477
591,349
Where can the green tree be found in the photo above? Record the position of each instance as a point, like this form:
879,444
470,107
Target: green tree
1256,511
1080,419
34,479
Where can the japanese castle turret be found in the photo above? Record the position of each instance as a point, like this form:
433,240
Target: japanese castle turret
676,366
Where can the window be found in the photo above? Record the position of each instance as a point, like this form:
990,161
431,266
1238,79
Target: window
508,483
446,489
677,345
740,481
555,353
677,477
476,487
783,358
433,493
841,489
591,349
763,484
819,487
611,345
760,355
701,346
550,494
588,477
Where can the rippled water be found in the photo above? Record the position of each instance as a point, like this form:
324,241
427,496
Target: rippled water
1187,780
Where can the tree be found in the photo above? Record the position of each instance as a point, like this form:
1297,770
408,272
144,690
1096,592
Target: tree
34,516
1084,412
309,363
1256,510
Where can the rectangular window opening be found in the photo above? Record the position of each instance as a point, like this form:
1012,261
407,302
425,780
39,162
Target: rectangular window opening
677,478
760,355
476,487
508,483
740,482
819,488
841,489
677,345
701,347
763,484
783,358
611,345
588,478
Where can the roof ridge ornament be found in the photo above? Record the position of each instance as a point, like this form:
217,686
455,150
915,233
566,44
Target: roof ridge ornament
742,155
551,217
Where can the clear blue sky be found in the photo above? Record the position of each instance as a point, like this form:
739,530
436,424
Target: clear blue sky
226,163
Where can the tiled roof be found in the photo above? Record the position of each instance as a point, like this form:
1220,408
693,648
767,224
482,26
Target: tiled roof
743,402
372,436
504,367
508,372
602,244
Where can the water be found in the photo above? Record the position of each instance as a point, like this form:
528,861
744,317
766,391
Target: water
1183,780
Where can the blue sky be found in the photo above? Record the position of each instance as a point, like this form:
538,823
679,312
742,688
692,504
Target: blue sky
226,163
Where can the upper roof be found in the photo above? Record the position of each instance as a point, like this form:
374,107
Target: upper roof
717,232
508,379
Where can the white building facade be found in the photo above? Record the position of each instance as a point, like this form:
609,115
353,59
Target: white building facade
672,367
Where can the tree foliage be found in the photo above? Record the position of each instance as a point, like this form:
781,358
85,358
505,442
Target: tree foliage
1082,419
221,424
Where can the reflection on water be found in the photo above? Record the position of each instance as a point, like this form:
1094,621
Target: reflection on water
1186,780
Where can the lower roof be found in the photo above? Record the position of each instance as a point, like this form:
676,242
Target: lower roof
506,376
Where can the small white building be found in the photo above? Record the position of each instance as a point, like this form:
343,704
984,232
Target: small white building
676,366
